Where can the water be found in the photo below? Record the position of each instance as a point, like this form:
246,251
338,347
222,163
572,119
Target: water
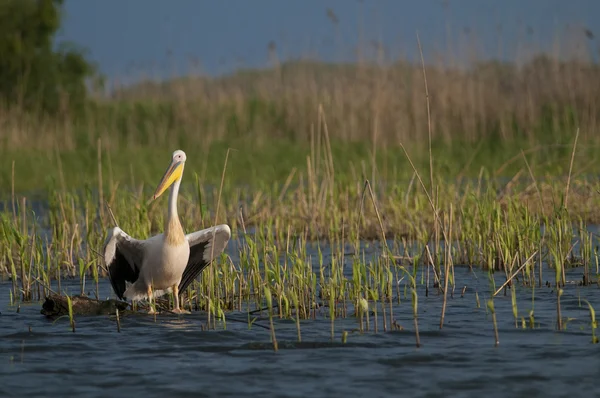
40,357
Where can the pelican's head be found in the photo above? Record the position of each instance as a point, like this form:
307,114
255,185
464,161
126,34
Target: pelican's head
173,173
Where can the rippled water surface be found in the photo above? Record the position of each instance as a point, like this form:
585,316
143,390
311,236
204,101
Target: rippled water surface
174,355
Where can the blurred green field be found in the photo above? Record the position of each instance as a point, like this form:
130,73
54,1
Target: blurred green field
275,118
260,165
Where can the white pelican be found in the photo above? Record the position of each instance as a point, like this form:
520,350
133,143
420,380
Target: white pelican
167,262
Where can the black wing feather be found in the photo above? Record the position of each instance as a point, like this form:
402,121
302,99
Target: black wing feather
123,258
195,265
120,271
205,246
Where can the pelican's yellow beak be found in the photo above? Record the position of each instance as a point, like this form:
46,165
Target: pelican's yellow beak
171,175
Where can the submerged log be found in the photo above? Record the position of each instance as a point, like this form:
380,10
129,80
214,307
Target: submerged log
57,305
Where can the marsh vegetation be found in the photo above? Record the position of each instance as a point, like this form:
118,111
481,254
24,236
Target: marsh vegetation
411,194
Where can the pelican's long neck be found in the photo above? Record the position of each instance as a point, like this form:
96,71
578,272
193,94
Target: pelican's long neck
173,231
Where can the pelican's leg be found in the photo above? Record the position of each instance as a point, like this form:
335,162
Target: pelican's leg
151,311
178,310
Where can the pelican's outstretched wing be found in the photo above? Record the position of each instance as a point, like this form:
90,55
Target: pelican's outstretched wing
123,258
205,246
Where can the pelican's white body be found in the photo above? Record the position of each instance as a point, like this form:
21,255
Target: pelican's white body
162,267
